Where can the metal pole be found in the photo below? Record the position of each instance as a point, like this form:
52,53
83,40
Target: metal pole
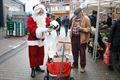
61,65
96,33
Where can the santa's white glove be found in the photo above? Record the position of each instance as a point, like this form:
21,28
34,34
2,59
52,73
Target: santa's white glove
40,31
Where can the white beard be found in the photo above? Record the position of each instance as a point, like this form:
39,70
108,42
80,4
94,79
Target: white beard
40,20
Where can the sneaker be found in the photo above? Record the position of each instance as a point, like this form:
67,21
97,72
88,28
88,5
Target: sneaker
82,70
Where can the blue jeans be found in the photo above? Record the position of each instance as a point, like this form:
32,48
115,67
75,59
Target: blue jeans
66,29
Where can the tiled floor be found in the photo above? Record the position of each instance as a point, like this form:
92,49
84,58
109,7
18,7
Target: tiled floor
17,67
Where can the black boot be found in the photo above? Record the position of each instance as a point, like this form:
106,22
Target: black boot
38,69
110,67
33,73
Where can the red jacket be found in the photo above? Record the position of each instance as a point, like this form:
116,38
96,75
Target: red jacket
36,34
48,21
31,29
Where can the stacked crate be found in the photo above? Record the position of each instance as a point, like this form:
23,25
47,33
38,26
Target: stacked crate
10,28
17,27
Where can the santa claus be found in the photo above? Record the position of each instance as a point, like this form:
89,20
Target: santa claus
36,28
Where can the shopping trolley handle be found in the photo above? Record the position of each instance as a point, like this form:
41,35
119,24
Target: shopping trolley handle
65,42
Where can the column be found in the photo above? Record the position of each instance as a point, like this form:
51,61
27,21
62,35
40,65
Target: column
1,14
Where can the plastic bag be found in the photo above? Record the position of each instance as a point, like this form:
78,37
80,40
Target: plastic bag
106,56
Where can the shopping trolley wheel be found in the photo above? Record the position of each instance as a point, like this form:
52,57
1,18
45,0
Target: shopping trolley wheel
71,78
46,78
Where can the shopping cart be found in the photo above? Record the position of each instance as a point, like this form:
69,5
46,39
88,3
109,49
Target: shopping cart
59,65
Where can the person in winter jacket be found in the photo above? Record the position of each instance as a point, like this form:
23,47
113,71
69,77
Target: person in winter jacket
36,27
80,33
114,40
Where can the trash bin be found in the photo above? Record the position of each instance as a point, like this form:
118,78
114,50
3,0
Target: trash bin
10,28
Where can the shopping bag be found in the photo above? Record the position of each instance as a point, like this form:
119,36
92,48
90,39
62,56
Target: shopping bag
106,56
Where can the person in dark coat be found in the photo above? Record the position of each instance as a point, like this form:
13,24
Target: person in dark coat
93,18
59,21
109,20
66,24
114,40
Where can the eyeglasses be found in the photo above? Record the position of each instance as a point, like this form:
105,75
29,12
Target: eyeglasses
41,12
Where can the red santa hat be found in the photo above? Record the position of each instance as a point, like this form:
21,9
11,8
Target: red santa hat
39,8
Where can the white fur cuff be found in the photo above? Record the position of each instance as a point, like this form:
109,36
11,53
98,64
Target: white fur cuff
35,43
39,31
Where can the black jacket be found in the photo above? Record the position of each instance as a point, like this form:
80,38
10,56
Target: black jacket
114,37
59,21
93,20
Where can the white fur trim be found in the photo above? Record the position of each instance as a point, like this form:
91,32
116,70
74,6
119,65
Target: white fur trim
35,43
42,22
38,7
54,22
39,32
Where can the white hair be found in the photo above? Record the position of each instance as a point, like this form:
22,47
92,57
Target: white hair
40,20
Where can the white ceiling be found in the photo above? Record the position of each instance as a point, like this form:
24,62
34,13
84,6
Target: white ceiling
103,3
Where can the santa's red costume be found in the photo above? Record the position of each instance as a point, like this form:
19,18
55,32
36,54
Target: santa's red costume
36,28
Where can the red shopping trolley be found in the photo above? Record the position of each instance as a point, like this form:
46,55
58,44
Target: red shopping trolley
59,65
